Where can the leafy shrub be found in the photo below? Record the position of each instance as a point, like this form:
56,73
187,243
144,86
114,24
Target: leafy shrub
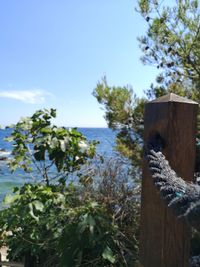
47,149
120,193
94,225
58,228
94,222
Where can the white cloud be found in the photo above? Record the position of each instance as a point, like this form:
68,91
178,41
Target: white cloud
27,96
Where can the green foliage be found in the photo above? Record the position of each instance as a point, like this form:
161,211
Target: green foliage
172,45
123,112
90,238
73,225
117,101
58,228
171,42
47,148
121,195
91,223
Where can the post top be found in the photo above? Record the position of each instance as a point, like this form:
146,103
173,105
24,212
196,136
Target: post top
171,97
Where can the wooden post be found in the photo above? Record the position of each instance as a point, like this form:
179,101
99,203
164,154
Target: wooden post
165,240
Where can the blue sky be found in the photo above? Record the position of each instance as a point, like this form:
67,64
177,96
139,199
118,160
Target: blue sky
53,52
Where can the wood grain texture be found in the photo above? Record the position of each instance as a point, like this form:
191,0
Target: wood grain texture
165,240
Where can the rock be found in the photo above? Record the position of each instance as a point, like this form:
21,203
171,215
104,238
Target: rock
3,158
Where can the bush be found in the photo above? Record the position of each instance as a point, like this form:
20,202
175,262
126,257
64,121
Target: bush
68,227
57,227
114,187
48,151
93,222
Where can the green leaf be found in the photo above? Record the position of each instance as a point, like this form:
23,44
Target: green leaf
46,130
38,205
108,255
94,204
46,140
54,143
9,199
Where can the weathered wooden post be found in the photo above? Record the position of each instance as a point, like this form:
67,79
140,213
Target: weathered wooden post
165,240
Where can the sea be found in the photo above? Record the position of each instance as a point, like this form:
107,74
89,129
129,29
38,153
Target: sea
8,180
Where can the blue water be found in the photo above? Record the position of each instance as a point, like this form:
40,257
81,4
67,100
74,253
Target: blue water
105,136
